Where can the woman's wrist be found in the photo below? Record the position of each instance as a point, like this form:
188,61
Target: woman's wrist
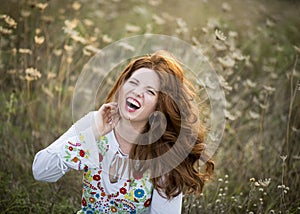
96,129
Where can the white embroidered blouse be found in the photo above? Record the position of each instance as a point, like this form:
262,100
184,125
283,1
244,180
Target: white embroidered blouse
103,192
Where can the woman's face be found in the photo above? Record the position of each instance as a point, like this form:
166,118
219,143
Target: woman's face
138,96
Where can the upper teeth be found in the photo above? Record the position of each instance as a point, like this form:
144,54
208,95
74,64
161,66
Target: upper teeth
134,102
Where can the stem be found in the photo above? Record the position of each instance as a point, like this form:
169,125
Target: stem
261,135
282,205
293,96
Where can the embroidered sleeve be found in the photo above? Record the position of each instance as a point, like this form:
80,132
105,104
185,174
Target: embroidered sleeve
81,151
75,149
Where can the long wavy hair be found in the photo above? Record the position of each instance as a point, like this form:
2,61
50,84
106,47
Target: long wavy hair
173,138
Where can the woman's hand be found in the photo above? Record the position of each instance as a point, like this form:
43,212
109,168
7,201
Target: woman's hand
106,119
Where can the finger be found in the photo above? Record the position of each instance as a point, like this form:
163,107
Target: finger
105,110
113,103
114,120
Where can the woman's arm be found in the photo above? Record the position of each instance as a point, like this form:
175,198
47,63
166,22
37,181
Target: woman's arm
74,149
161,205
77,147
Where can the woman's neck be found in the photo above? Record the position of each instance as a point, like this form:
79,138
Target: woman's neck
126,133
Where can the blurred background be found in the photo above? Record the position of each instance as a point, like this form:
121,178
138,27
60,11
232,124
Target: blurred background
254,46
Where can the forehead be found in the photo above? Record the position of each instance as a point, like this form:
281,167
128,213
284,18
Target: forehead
147,77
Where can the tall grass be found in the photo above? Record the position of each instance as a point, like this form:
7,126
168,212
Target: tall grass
45,44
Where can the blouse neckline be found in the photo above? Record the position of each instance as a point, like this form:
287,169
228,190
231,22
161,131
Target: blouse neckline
123,154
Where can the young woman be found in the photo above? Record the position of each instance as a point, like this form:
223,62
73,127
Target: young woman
148,140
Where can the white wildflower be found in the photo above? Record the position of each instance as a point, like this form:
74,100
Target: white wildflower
232,34
32,74
91,48
263,106
76,5
25,13
220,47
264,182
226,62
269,23
238,56
254,115
155,3
250,83
158,20
5,30
51,75
228,115
68,48
220,35
297,49
126,46
38,31
132,28
269,88
57,52
71,24
41,6
25,51
256,184
39,40
78,38
88,22
283,157
106,39
226,7
10,21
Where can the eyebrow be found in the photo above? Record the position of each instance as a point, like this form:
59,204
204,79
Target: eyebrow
148,86
135,79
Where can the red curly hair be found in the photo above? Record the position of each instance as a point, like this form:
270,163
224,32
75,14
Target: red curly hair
178,137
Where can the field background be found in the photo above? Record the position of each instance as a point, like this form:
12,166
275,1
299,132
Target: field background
45,44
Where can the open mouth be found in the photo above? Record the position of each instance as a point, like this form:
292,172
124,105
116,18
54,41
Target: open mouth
133,104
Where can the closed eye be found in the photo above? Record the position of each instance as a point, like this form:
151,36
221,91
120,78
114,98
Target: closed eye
151,92
132,82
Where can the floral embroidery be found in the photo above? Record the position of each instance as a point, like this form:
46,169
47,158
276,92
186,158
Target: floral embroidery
123,190
132,196
113,209
147,202
81,153
75,159
139,193
75,154
92,200
83,202
96,177
103,145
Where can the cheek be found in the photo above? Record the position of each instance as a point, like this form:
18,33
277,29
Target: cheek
121,92
152,101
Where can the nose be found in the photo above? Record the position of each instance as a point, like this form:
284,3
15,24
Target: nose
138,92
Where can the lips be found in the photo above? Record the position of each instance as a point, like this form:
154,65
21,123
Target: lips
132,104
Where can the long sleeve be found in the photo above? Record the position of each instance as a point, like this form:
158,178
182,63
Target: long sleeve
160,205
75,149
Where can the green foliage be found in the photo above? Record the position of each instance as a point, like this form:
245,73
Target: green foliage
45,44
